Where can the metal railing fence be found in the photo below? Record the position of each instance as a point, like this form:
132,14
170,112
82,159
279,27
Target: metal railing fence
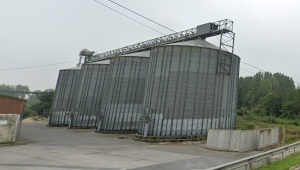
257,160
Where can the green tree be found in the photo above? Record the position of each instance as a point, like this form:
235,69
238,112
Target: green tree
291,106
46,98
267,93
13,90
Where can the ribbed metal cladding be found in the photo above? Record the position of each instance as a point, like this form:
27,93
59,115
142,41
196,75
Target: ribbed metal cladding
92,94
65,96
126,93
189,90
11,105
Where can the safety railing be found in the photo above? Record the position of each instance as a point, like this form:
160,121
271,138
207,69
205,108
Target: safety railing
259,159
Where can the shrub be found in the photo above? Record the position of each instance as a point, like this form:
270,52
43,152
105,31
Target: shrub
242,111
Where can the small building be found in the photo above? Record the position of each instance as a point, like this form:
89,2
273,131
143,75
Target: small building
11,109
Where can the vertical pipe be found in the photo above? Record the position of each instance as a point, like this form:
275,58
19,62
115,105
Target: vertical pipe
126,97
181,114
111,94
158,92
131,101
166,94
163,88
175,98
185,93
155,56
205,102
138,78
118,102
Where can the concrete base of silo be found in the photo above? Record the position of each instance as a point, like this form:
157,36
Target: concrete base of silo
182,138
59,118
83,121
120,122
159,126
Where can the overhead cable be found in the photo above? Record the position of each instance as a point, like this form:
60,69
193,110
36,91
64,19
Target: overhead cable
128,17
142,16
22,68
253,66
162,26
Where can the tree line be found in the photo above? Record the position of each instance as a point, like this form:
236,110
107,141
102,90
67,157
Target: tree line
264,94
36,103
269,94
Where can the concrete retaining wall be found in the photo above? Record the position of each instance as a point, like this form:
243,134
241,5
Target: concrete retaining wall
240,141
267,137
9,127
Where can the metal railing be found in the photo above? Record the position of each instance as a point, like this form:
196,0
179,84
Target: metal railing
248,162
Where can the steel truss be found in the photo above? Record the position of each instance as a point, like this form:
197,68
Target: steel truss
223,28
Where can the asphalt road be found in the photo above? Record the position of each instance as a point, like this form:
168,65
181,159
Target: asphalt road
62,148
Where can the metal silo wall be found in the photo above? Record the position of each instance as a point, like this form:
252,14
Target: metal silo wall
126,94
65,96
92,93
189,91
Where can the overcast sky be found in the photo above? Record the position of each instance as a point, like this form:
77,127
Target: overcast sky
41,32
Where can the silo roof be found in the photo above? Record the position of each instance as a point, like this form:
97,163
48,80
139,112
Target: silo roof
73,68
197,43
101,62
139,54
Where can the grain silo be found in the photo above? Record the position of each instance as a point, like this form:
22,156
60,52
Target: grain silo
190,89
126,92
64,101
91,99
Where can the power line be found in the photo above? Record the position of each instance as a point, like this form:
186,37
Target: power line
258,69
148,19
128,17
163,27
22,68
247,71
142,16
253,66
23,92
155,23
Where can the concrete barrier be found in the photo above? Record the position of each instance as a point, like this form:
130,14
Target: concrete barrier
240,141
267,137
9,127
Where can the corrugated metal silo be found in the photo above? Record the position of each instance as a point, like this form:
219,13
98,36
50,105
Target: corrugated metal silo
126,92
190,89
65,96
91,99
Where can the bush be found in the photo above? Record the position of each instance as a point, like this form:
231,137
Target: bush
29,112
242,111
250,127
296,123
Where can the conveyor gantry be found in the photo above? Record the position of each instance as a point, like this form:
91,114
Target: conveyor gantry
201,31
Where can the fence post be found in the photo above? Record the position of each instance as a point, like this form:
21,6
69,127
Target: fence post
268,160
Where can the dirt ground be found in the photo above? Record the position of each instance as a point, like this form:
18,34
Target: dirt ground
35,119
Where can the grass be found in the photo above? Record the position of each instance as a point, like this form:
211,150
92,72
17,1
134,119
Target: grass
284,164
292,128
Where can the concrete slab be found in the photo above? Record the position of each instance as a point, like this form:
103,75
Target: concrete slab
62,148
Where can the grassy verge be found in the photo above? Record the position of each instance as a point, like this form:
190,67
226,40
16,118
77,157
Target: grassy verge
292,128
284,164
